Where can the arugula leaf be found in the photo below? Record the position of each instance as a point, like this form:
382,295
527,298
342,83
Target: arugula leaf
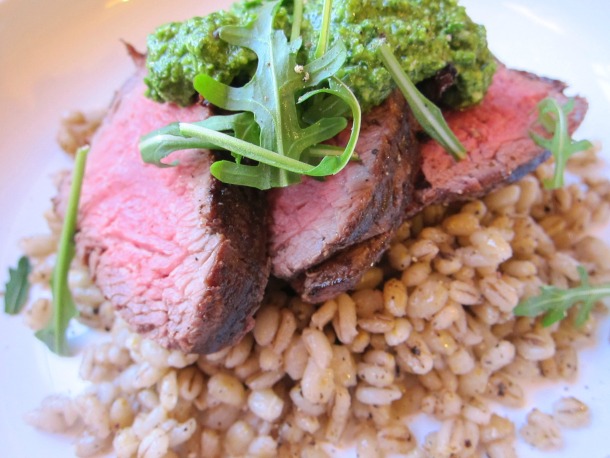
54,335
554,118
281,139
17,287
427,114
157,145
553,303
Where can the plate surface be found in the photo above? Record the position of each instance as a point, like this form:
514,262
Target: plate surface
63,55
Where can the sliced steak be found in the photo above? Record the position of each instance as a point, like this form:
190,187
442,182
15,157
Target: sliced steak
315,219
496,135
342,271
181,256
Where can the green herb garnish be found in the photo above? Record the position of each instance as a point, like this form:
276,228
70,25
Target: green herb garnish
269,126
427,114
554,303
554,118
54,335
17,287
324,36
297,19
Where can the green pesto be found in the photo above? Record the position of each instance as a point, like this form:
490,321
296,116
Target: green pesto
177,52
425,35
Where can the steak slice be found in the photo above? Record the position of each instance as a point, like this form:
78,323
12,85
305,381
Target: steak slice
314,219
496,136
181,256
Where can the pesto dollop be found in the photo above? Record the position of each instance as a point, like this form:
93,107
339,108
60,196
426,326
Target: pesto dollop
179,51
426,35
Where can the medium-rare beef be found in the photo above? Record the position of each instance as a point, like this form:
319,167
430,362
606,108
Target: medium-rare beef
181,256
315,219
496,136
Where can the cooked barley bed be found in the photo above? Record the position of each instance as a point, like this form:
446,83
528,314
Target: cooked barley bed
430,330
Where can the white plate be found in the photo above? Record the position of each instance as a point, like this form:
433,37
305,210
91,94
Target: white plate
59,55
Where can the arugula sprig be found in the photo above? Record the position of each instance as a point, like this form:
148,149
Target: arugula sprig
427,113
272,100
54,335
17,287
554,118
553,303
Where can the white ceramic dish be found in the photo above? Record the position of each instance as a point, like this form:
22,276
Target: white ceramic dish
61,55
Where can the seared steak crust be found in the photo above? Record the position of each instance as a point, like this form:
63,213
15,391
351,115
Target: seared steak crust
235,282
342,271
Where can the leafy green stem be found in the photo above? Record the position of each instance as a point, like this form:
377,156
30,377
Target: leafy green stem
54,335
325,30
427,114
297,19
324,150
246,149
